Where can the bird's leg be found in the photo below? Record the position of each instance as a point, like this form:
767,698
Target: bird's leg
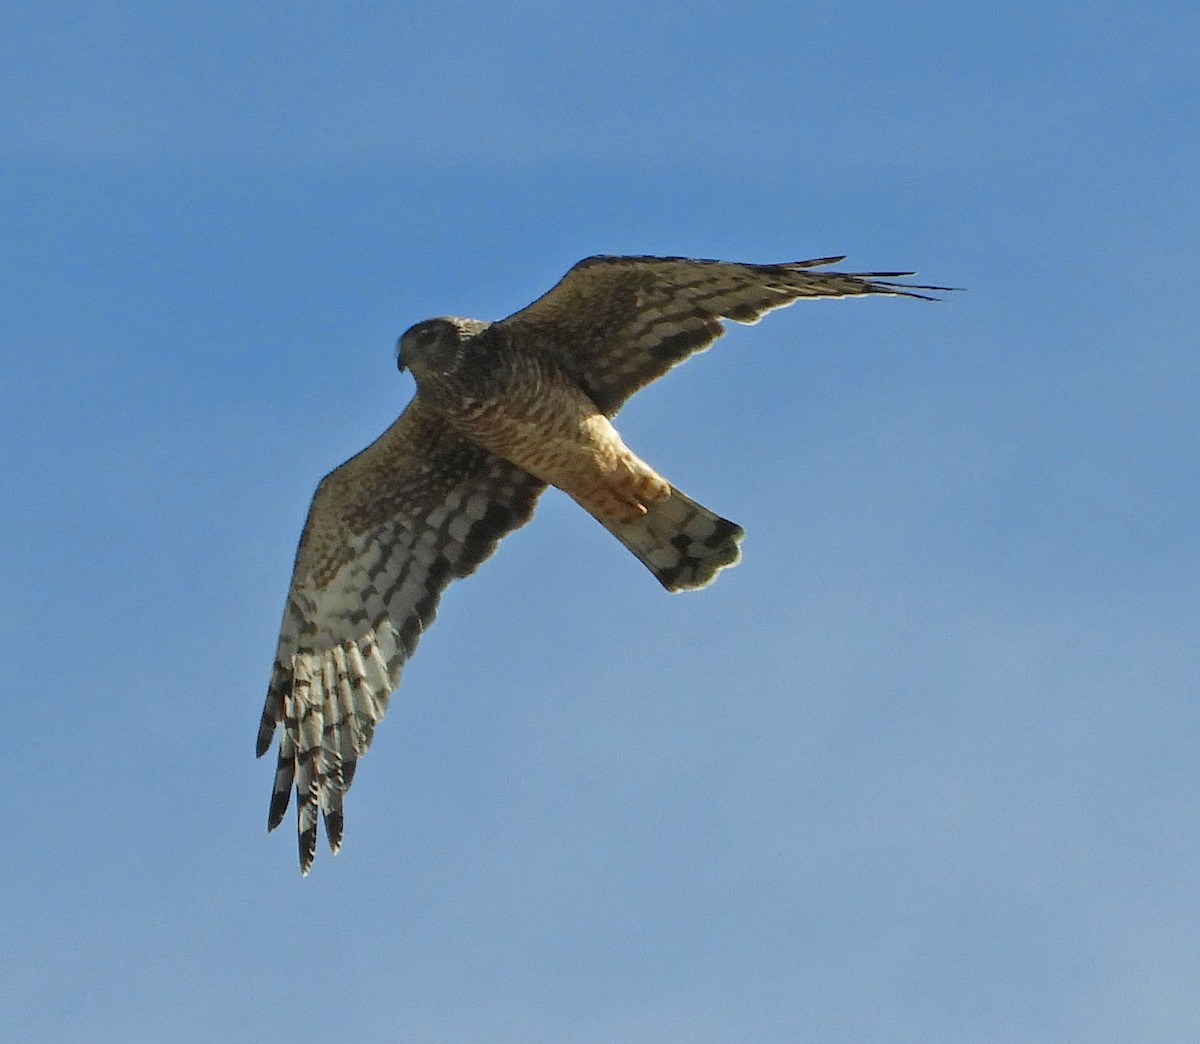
621,488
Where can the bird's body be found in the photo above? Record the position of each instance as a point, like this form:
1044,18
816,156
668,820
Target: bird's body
502,410
522,406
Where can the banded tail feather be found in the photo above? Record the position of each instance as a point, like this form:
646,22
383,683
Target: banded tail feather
681,542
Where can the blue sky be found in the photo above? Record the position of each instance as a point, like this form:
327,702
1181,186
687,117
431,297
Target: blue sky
922,768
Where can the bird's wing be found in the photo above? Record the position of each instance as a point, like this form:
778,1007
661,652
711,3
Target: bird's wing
386,532
618,323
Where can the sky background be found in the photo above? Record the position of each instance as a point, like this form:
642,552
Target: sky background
924,767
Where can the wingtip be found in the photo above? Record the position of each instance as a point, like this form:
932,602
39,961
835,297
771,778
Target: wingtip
278,809
817,262
880,284
334,825
308,850
266,733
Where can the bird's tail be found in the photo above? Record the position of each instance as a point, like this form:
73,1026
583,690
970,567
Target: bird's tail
681,542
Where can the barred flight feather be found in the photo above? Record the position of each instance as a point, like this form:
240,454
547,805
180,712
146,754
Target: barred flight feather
344,643
660,310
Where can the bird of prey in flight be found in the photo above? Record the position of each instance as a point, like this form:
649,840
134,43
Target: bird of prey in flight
502,410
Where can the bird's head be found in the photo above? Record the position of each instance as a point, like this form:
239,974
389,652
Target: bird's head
435,346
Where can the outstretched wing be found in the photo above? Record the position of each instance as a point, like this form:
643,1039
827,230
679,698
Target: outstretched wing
618,323
386,532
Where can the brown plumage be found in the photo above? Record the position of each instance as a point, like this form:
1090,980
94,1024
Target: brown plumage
502,410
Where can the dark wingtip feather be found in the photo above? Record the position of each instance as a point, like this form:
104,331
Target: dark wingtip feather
816,262
280,684
279,806
334,823
308,849
266,733
880,283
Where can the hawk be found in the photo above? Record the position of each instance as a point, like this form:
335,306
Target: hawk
501,411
